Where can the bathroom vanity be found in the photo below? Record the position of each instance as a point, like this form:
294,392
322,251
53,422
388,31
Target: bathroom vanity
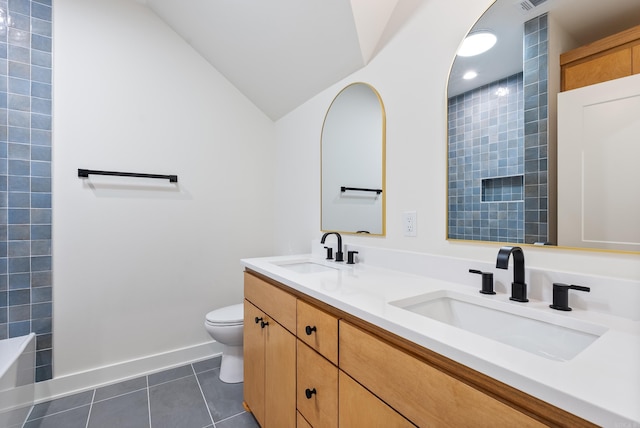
330,345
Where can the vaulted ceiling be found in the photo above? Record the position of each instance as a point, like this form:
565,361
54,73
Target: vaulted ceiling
280,53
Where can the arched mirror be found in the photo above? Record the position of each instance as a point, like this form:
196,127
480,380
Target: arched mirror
353,162
503,118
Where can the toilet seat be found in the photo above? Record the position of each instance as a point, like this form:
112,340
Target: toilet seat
229,315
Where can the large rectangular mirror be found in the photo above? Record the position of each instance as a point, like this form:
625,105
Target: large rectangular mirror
503,119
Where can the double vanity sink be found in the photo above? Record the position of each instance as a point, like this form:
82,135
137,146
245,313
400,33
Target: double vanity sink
581,361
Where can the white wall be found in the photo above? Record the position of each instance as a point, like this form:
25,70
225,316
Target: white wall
410,73
138,263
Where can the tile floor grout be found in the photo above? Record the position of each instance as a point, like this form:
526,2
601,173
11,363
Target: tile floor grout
93,396
202,395
225,398
148,399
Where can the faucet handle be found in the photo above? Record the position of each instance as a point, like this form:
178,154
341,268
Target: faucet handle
350,260
561,295
487,281
329,253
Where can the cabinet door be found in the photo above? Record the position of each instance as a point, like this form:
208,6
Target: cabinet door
280,377
254,362
360,408
598,174
317,388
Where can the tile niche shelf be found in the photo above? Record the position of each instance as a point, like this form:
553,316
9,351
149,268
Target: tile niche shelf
503,189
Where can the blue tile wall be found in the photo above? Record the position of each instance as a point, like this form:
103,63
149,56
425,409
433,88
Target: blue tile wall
498,152
25,175
486,162
536,70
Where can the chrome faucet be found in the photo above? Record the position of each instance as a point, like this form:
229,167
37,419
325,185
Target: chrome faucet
339,253
518,286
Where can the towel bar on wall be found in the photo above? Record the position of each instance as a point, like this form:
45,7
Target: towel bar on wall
360,189
85,173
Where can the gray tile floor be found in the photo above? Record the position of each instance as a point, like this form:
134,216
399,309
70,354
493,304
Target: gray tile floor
190,396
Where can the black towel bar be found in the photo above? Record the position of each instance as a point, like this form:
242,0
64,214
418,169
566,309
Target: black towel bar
344,189
85,173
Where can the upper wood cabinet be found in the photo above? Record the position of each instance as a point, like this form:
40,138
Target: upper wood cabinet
606,59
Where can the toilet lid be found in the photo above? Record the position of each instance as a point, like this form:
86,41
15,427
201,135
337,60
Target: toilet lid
233,314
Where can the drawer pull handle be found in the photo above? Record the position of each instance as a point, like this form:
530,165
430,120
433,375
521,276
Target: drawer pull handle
309,392
263,324
308,329
258,320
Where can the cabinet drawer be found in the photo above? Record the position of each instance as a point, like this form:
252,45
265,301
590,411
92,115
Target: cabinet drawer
275,302
360,408
318,378
319,330
423,394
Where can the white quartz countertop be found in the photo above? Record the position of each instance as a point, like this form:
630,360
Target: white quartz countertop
600,384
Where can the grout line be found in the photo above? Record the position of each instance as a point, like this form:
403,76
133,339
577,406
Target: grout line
57,413
119,395
27,418
203,397
93,396
232,416
148,400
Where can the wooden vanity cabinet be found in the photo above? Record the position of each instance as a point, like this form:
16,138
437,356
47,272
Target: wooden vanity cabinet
362,374
269,354
606,59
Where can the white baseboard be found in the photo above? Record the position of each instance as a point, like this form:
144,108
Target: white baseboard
100,376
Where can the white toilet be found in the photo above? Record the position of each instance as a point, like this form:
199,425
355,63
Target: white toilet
225,326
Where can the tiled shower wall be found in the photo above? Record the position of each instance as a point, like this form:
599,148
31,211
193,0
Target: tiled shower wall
536,71
25,175
486,162
498,152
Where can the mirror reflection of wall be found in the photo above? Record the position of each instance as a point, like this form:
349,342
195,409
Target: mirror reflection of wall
353,146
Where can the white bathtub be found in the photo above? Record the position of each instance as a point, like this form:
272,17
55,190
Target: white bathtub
17,372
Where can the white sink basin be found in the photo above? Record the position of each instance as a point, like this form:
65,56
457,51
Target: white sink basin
305,266
545,334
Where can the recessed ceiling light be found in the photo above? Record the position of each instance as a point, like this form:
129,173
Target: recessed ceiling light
477,43
470,75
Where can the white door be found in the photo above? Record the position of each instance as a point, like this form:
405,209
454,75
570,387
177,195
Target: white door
599,166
